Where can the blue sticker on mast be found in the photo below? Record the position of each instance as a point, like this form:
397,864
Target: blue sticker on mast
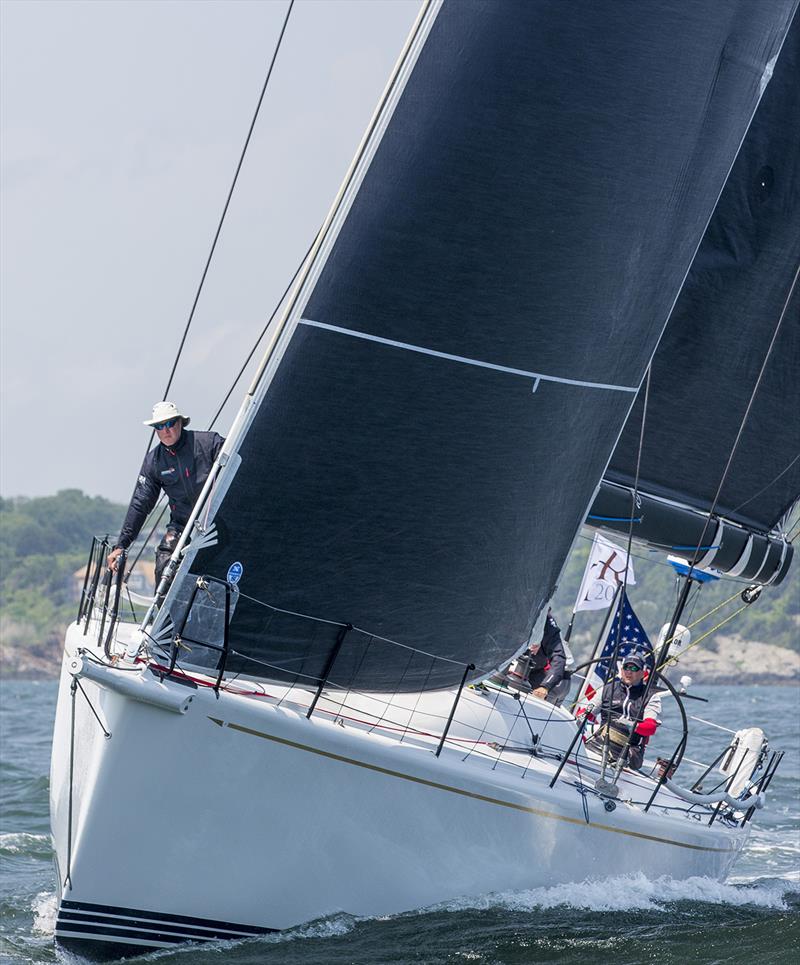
235,571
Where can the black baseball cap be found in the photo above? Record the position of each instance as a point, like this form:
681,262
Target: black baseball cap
634,658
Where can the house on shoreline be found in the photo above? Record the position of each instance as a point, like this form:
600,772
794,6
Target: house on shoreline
140,580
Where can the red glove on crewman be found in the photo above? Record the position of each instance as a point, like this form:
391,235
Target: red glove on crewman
646,727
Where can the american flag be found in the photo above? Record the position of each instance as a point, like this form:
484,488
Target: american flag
632,639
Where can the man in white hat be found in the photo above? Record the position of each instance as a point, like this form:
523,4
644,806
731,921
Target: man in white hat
178,465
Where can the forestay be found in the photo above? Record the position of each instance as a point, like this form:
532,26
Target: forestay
708,364
491,293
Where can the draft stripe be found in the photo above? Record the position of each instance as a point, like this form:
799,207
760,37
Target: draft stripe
68,904
536,376
78,930
73,918
470,794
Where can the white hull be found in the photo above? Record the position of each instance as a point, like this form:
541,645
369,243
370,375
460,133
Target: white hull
241,816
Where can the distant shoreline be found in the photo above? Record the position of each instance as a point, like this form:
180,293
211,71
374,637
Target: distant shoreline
726,662
7,677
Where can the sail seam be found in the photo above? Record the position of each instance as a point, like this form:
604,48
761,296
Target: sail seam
536,376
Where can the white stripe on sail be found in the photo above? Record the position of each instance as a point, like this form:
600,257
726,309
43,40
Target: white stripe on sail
536,376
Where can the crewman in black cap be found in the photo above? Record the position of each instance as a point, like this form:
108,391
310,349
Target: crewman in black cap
626,722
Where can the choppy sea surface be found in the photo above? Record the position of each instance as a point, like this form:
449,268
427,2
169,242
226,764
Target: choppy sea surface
752,918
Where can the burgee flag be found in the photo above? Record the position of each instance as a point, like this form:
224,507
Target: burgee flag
604,574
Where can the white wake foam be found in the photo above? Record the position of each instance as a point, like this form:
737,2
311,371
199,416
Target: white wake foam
622,893
627,893
789,879
333,927
44,907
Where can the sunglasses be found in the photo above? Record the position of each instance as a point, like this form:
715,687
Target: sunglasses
631,666
165,425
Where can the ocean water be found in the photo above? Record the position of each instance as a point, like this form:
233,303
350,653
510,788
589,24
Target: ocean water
752,918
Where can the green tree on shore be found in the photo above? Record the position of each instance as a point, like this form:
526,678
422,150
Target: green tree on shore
43,541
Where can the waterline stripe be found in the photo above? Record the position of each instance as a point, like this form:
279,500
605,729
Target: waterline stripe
464,793
140,934
87,935
87,924
92,908
535,376
79,919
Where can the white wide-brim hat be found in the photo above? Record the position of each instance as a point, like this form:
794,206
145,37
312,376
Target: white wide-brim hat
164,411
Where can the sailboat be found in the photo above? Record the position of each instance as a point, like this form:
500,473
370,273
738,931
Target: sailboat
545,213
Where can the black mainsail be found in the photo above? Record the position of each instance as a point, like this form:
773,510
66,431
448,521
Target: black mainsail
448,393
709,362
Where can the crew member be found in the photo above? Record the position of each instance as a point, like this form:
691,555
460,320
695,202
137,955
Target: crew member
178,465
547,663
626,721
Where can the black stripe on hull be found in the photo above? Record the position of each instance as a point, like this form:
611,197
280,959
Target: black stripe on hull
100,950
110,931
94,909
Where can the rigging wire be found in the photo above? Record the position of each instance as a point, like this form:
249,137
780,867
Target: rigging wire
224,402
146,542
700,543
634,498
263,332
623,594
745,417
208,264
691,606
765,487
225,209
674,659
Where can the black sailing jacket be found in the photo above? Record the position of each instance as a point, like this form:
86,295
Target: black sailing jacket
180,472
548,665
626,704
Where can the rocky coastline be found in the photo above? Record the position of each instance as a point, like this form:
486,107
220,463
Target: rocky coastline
731,659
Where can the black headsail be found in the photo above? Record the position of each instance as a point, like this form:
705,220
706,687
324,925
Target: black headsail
709,362
432,428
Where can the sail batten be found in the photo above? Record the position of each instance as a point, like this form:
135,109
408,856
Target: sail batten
528,214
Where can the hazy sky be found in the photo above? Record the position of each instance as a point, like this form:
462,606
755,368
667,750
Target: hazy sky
122,123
